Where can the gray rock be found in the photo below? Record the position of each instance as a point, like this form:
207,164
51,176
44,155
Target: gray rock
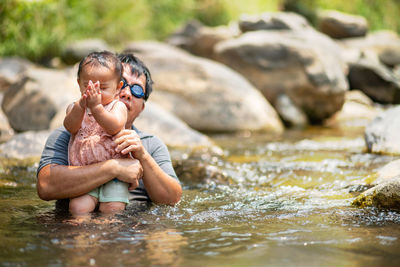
382,134
387,172
375,79
385,44
385,195
290,113
358,111
340,25
206,95
304,65
25,145
31,103
77,50
170,129
6,132
199,39
11,70
273,21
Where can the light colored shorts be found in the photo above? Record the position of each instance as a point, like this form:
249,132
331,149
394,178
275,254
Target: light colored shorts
113,191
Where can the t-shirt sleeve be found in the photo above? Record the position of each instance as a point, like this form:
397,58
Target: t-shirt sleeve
56,149
159,151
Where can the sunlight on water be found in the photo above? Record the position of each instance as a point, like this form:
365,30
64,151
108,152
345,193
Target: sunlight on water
282,203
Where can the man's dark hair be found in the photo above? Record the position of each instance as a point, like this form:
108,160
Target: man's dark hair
103,58
138,68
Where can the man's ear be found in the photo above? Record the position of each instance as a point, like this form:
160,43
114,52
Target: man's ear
120,85
77,80
143,106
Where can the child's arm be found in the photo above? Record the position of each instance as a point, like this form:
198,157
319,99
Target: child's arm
74,117
111,121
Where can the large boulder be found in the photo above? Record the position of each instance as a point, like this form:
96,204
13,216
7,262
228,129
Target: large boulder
32,102
206,95
304,65
341,25
77,50
174,132
273,21
382,134
385,195
200,40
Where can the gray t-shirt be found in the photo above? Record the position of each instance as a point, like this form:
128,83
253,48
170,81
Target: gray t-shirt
56,152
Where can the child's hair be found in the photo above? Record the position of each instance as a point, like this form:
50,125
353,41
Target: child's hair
105,59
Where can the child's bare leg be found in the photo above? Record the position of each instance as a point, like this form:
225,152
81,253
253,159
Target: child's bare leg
82,205
112,207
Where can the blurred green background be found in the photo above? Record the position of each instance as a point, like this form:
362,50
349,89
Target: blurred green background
38,29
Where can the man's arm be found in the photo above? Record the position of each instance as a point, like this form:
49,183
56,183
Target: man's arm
57,180
161,187
60,181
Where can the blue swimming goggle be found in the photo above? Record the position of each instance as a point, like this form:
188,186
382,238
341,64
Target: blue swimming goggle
136,89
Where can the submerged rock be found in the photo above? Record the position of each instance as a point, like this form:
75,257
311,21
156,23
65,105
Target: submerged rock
385,195
194,172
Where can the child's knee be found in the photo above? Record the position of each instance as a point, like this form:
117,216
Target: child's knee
111,207
82,205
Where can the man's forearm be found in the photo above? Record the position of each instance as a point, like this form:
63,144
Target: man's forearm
59,181
161,188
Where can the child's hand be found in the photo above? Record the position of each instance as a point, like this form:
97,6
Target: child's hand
93,95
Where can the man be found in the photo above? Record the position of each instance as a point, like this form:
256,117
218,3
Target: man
149,173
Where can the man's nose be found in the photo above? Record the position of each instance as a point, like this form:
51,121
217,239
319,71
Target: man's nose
125,94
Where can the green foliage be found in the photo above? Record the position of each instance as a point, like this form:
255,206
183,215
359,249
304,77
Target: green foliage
38,29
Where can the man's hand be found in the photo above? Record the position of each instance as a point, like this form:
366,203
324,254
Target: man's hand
129,171
128,141
93,95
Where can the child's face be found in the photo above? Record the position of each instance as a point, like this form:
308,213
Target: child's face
110,85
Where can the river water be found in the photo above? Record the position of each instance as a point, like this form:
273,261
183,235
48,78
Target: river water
286,201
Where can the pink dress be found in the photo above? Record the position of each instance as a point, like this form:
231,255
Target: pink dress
91,144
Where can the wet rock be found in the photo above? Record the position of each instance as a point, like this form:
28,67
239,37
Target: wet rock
358,111
206,95
304,65
25,145
31,103
170,129
385,195
382,134
194,172
11,70
200,40
77,50
374,79
340,25
273,21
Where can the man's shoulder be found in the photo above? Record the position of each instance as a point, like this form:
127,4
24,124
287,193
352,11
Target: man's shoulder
143,135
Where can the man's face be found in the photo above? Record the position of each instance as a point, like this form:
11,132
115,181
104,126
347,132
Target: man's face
134,105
